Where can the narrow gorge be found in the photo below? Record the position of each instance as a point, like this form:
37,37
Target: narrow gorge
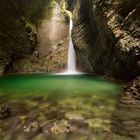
70,69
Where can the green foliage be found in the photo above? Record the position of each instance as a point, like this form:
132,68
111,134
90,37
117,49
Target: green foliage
64,10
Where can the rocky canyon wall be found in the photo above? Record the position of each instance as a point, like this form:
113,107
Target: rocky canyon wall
50,55
17,39
33,36
106,37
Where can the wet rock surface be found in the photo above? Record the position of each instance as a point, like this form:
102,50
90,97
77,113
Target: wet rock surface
54,61
127,122
29,35
15,41
30,129
48,39
106,37
126,119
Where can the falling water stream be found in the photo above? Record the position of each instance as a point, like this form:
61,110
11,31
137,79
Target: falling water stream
71,59
71,62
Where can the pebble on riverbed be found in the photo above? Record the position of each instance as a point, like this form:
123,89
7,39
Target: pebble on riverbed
55,127
30,129
78,126
4,112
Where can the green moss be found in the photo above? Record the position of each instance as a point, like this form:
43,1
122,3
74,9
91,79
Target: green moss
67,12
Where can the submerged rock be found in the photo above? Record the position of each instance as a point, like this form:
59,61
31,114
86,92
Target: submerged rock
54,114
78,126
30,129
126,122
74,116
18,108
55,127
5,112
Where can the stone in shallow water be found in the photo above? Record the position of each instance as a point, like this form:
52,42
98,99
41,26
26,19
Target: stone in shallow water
78,126
126,122
74,116
54,114
17,108
5,112
47,128
30,129
34,114
55,127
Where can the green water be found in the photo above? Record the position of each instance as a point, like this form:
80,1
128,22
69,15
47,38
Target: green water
81,97
44,83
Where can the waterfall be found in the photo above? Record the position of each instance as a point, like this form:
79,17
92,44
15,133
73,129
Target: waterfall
71,62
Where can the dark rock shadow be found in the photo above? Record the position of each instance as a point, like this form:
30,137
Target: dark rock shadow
126,119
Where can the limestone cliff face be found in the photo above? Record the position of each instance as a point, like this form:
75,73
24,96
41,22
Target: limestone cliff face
106,37
15,38
18,24
55,61
50,55
33,36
